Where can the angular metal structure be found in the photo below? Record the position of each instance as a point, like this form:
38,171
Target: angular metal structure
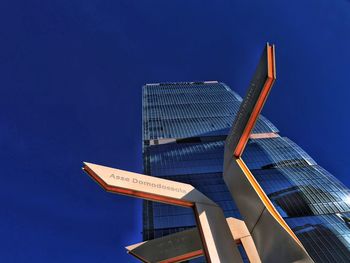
274,240
186,245
218,243
182,137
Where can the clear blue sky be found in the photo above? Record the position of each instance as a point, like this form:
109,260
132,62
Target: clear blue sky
70,91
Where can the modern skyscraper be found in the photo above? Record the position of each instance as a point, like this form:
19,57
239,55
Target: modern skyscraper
184,129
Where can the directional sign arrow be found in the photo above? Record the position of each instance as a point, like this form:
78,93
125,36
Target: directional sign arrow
217,241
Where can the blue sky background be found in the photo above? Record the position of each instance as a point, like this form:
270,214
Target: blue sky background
70,90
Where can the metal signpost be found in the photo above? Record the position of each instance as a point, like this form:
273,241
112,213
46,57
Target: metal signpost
273,238
263,233
218,243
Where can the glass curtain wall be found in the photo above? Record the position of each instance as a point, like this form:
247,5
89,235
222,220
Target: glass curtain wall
184,129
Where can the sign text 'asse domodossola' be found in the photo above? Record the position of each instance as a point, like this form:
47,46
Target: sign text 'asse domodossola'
145,183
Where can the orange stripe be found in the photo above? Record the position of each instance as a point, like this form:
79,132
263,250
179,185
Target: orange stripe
184,257
259,104
201,233
269,206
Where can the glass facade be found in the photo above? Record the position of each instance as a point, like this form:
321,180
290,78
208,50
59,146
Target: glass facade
184,129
